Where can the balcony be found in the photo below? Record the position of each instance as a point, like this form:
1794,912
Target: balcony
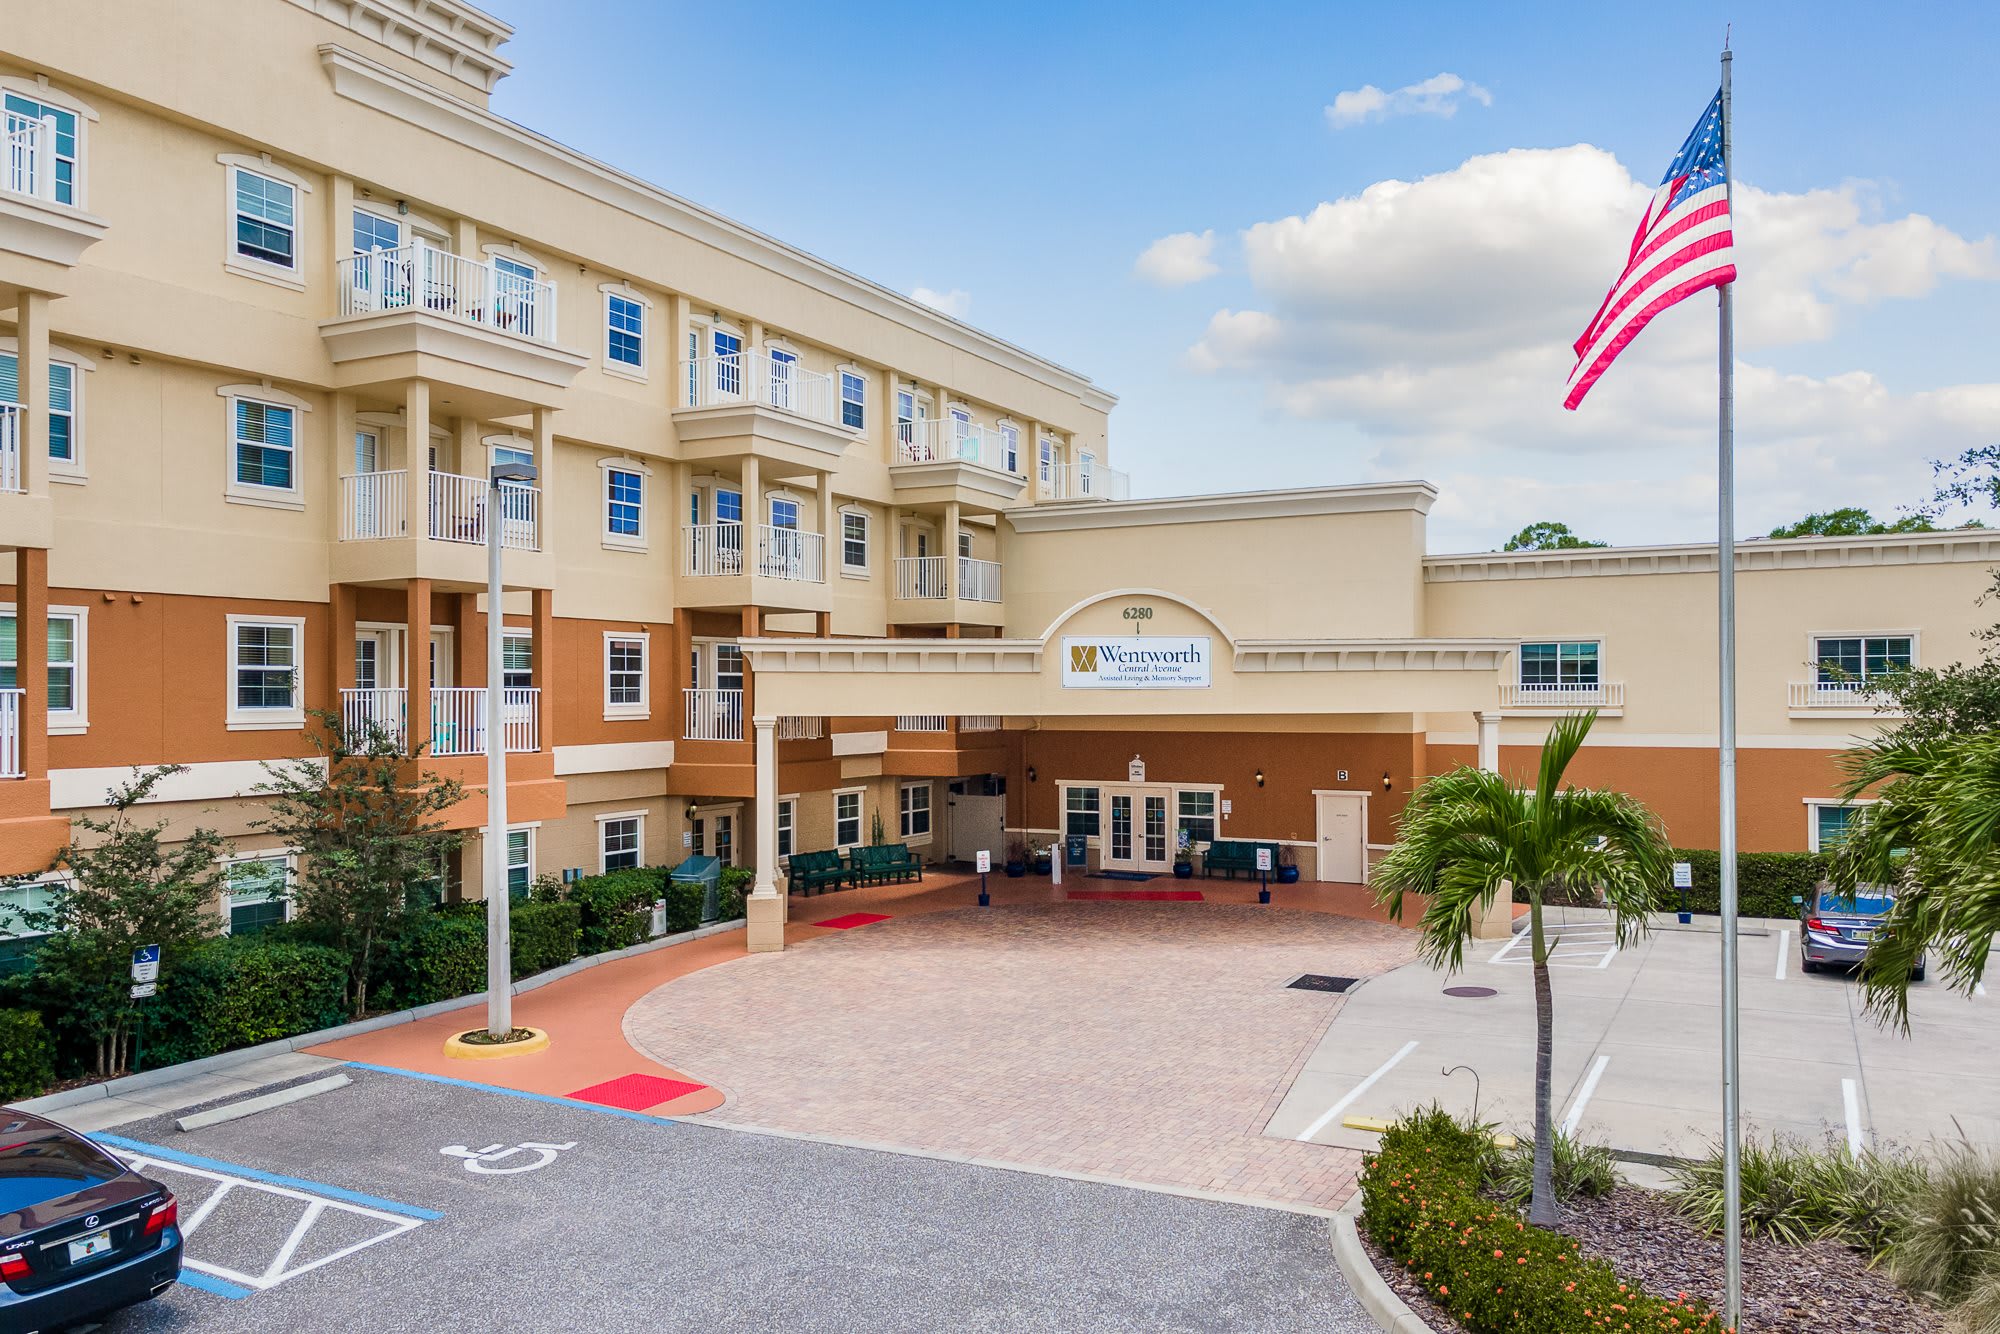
937,461
1086,481
942,746
923,722
375,525
713,715
418,312
1607,697
458,719
753,403
921,594
10,449
1836,699
801,729
10,734
782,568
42,238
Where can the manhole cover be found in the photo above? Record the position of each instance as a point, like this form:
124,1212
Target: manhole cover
1470,993
1321,982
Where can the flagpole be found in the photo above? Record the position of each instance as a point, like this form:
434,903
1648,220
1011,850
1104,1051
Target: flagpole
1732,1148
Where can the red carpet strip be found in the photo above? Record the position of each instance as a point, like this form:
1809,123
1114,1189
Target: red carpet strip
1138,895
852,920
635,1093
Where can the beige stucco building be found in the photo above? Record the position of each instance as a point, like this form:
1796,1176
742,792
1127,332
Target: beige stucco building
277,290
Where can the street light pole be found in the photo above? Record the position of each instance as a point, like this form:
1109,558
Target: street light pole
499,946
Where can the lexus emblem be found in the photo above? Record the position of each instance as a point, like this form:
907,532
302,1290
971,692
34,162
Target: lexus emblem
90,1221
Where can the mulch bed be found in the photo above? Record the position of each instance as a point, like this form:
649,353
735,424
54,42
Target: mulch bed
1812,1289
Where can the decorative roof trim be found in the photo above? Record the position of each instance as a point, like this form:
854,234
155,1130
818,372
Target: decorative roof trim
1957,546
1285,504
450,36
1024,656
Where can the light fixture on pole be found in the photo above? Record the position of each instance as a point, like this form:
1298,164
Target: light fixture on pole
499,948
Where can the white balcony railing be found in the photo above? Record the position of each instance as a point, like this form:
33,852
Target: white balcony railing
716,549
458,720
10,447
947,440
922,722
921,577
714,715
979,722
372,507
791,553
978,580
421,277
10,734
1605,695
1086,481
29,146
757,378
1831,695
800,729
368,710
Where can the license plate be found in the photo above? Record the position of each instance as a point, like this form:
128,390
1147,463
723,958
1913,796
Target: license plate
1862,933
97,1243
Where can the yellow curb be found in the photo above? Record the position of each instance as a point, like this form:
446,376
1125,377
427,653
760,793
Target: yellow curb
1378,1125
536,1040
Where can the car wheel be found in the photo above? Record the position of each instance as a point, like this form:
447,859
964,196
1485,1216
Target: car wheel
1807,965
1917,973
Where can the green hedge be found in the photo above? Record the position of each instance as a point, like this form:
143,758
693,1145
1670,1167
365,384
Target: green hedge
1478,1260
1765,881
437,956
735,879
615,909
27,1055
240,991
542,936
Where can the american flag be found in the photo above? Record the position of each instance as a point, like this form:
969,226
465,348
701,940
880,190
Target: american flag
1683,245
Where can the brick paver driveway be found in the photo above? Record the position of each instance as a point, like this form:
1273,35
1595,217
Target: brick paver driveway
1136,1041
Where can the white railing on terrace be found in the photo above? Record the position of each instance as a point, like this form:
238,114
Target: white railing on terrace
1086,481
363,711
10,447
978,580
800,729
372,506
10,733
458,720
714,549
1605,695
979,722
947,440
921,577
732,378
714,715
922,722
1831,695
30,155
419,276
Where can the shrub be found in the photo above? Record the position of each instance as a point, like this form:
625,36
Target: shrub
1949,1244
542,936
27,1055
1580,1169
240,991
434,956
615,909
684,903
1765,881
735,879
1479,1261
1795,1192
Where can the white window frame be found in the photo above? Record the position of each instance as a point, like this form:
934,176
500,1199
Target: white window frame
507,865
1813,804
38,90
1010,445
1559,685
622,541
860,795
240,719
627,711
867,543
1062,809
71,469
252,493
46,882
521,634
841,375
786,819
623,369
228,895
291,276
604,823
1048,459
1813,658
904,810
73,721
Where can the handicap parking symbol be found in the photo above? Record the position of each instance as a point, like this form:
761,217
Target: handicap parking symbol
482,1161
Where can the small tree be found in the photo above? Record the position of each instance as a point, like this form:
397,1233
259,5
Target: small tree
1547,536
369,830
121,887
1852,521
1467,833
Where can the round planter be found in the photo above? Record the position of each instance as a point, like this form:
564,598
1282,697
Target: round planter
1288,875
1015,870
1041,866
1183,870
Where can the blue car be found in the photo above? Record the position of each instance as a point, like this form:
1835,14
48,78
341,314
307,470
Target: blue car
1836,929
81,1235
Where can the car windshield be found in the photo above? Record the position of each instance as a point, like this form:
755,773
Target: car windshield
1866,902
48,1167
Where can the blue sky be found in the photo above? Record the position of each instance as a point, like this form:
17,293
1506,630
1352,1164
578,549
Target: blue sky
1026,155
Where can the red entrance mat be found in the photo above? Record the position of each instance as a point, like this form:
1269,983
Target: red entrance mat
1139,895
636,1092
852,919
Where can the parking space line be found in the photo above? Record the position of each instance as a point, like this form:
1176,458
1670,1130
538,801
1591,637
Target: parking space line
572,1103
194,1278
1582,1099
1355,1092
1784,952
177,1158
1850,1098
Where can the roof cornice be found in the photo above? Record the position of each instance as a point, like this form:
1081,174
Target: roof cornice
448,35
1291,503
1956,546
1024,656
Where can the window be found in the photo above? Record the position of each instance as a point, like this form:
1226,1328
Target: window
63,440
853,400
1197,816
517,660
1862,658
624,506
853,542
265,686
64,149
1559,665
516,285
1829,825
266,219
728,506
624,676
788,815
729,667
1010,445
374,232
19,937
1046,461
618,842
847,818
784,512
915,806
520,863
624,331
258,894
65,659
784,377
728,350
1080,812
263,444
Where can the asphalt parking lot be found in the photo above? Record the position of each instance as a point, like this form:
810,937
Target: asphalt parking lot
401,1203
1638,1047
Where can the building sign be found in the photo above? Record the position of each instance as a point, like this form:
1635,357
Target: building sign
1135,772
1151,662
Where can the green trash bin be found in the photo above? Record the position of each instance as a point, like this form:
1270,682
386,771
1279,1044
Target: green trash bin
706,872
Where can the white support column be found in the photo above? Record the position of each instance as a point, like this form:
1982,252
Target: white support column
765,908
417,458
1489,741
1497,923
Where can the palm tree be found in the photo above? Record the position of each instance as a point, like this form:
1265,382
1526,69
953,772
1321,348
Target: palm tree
1934,834
1467,834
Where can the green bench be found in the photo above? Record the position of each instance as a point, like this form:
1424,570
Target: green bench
1232,855
808,871
879,863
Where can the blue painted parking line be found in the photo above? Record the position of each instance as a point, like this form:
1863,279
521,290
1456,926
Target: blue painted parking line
518,1093
207,1283
270,1178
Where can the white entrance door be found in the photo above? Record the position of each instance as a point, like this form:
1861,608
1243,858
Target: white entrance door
1343,837
1137,833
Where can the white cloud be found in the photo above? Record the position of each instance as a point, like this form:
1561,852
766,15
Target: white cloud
1438,95
1177,260
956,303
1433,318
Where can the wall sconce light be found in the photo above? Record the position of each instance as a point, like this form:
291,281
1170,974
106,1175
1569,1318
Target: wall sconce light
1031,773
1387,785
1260,778
403,208
691,810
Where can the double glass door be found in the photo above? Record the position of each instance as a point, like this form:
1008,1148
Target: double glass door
1138,835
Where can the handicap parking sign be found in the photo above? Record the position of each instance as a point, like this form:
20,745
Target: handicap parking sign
146,964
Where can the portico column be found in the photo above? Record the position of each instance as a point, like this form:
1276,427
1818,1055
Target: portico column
1497,921
416,459
31,653
31,383
1489,741
764,908
417,663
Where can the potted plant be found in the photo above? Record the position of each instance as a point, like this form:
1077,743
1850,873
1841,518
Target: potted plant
1288,866
1042,858
1183,856
1017,859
